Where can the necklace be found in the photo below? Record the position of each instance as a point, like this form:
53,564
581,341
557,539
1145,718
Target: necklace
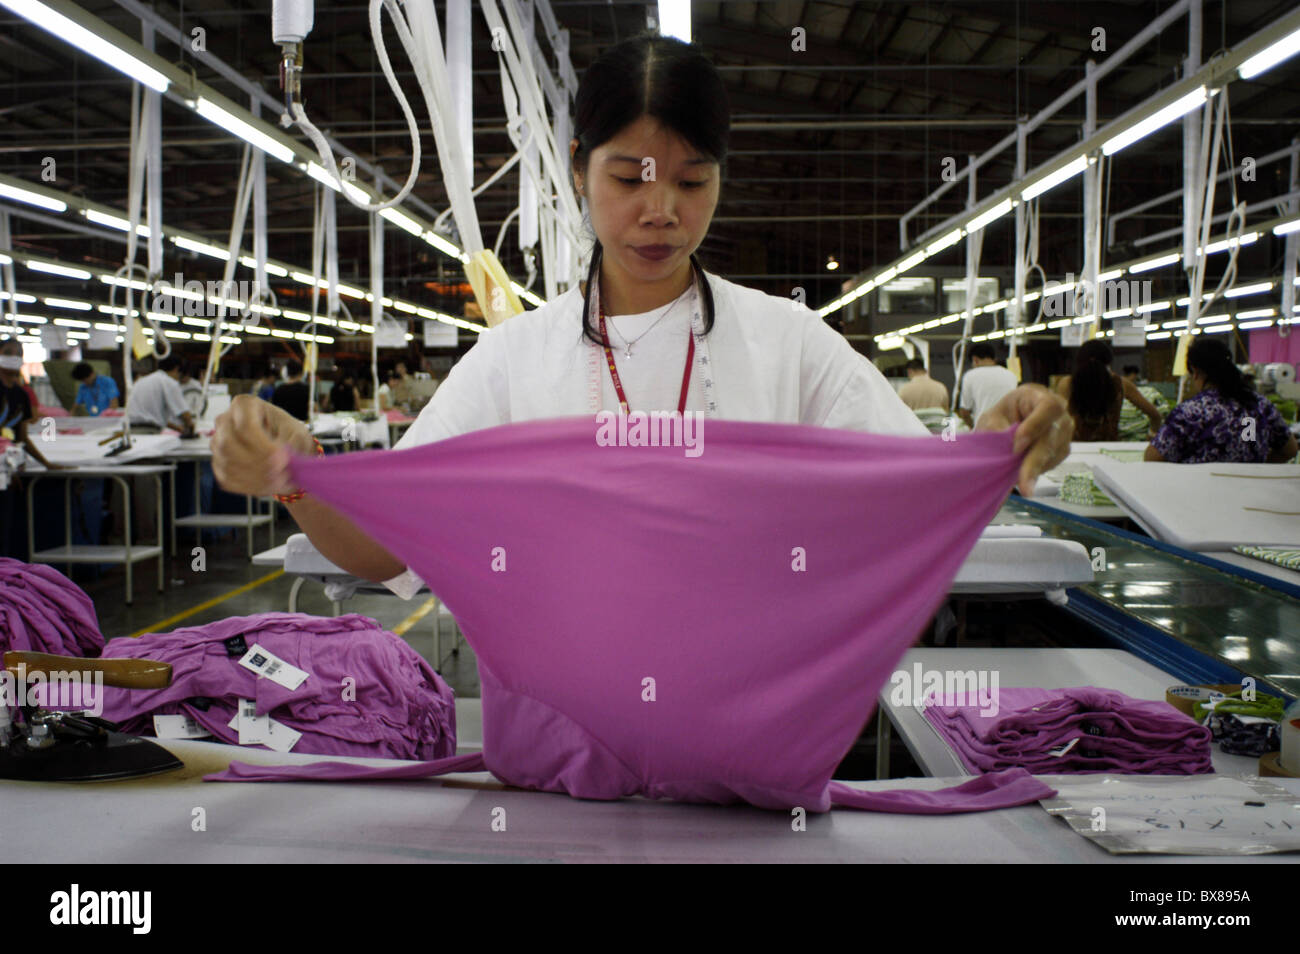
627,345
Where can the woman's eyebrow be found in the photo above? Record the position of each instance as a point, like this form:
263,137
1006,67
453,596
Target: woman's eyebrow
637,160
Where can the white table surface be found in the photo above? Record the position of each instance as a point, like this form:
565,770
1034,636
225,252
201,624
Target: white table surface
1259,566
1035,668
450,820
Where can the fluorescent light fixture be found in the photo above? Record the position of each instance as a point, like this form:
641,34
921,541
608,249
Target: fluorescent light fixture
115,222
1211,319
403,221
1067,171
406,307
202,248
1257,313
675,19
1286,228
88,42
6,260
1157,120
938,245
1286,47
1117,313
992,215
71,323
1111,275
245,131
1216,329
257,330
885,276
32,198
1158,262
1153,306
1060,323
1180,323
1254,289
1158,335
271,268
196,322
17,296
321,175
69,303
351,291
911,261
52,269
441,244
124,283
1214,247
1250,325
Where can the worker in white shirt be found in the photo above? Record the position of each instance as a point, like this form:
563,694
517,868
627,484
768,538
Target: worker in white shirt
156,400
985,385
679,337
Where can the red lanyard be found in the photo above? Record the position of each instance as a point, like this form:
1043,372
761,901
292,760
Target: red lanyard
618,385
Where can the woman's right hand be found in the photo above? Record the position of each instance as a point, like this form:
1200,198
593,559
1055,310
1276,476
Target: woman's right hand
244,445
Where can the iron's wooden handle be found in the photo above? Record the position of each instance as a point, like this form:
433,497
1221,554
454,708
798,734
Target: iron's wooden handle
123,673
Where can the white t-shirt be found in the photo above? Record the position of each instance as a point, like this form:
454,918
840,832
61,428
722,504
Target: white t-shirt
156,399
985,386
769,359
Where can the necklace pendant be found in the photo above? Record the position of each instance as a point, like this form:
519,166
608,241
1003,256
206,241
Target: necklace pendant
628,354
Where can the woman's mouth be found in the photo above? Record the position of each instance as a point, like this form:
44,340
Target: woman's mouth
653,253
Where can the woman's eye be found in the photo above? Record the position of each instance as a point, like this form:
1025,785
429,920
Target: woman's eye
632,181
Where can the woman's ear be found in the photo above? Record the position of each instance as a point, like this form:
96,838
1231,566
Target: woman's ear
577,176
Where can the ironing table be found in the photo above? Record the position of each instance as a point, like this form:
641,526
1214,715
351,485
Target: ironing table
148,820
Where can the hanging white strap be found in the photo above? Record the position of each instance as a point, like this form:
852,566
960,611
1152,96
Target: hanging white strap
331,254
460,78
153,170
259,215
377,301
7,273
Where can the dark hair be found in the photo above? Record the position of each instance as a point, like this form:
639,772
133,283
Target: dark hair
1211,357
671,81
1132,369
982,349
1092,392
294,368
393,373
170,363
82,371
916,364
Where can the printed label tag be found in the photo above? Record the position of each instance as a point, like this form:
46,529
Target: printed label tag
268,664
262,730
178,727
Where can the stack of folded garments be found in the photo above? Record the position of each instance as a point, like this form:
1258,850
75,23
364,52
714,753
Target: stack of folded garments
1288,557
1080,488
1060,731
366,692
43,611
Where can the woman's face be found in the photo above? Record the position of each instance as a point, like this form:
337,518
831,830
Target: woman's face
636,203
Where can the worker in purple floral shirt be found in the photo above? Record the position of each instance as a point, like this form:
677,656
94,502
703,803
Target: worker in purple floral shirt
1226,420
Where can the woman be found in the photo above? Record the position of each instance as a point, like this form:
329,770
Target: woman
344,396
1225,421
650,127
1095,395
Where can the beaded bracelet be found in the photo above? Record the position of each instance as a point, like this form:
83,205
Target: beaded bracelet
295,497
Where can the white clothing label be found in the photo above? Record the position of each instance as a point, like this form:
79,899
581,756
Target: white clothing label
268,664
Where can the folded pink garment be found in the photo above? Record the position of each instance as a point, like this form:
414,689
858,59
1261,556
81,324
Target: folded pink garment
43,611
1064,731
709,626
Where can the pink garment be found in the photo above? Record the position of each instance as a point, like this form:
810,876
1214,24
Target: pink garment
43,611
707,628
1064,731
367,693
1267,346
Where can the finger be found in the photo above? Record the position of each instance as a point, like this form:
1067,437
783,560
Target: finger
1037,410
1049,451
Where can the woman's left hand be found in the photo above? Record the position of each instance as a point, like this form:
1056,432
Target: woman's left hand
1044,433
